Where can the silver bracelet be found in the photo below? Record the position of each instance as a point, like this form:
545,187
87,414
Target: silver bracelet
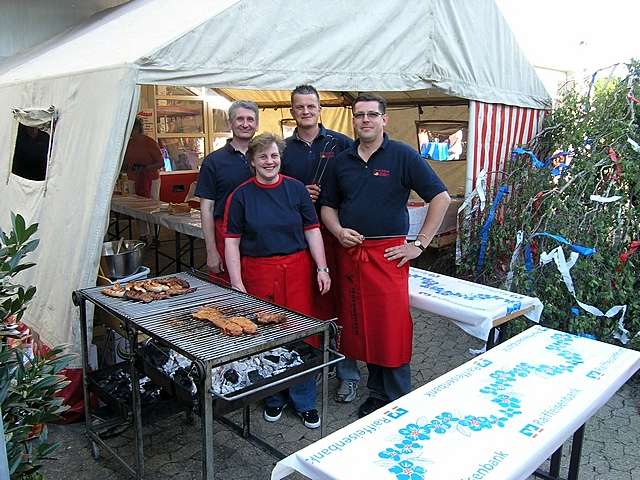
322,269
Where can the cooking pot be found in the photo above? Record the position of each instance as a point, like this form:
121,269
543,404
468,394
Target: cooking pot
124,263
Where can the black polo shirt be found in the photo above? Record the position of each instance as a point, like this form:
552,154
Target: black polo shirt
307,163
371,197
221,172
270,219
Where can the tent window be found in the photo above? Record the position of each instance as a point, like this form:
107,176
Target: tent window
31,153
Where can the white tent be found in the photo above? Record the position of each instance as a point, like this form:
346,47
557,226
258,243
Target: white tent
412,50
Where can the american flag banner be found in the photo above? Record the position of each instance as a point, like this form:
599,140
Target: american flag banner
494,130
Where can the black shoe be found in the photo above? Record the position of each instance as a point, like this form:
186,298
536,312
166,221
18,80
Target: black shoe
370,405
310,418
273,414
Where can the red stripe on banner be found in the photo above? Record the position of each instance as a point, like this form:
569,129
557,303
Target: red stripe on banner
492,154
498,129
534,125
485,125
511,123
502,144
525,127
519,126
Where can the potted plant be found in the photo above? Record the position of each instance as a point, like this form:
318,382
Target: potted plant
28,383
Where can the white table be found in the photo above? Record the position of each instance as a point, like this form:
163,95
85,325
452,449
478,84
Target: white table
157,213
499,416
473,307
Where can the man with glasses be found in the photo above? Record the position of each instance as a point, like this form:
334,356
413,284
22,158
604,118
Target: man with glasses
308,152
221,172
364,205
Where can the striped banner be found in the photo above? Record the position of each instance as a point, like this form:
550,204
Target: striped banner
494,130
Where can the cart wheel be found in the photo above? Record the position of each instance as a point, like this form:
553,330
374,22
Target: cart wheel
95,451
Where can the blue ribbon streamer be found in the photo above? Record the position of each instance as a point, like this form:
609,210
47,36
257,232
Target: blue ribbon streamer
528,257
540,165
586,251
484,233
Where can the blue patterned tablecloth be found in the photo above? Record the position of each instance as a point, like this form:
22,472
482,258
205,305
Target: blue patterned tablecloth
472,306
498,416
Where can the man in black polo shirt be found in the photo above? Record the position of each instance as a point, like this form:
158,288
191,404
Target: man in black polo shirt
308,152
364,205
221,172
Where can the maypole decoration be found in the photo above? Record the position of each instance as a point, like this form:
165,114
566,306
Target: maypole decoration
573,203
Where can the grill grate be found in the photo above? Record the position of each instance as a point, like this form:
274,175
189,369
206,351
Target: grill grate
170,321
130,309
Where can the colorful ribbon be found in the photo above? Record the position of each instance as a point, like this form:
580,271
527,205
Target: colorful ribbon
586,251
480,192
564,267
555,171
484,233
630,250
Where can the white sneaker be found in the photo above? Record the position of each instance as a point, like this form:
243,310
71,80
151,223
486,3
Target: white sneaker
347,391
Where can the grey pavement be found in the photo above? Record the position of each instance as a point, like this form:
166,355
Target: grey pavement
173,448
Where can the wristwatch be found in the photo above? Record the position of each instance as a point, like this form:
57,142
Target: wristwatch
322,269
418,243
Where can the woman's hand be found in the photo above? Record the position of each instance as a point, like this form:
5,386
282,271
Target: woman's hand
324,282
239,287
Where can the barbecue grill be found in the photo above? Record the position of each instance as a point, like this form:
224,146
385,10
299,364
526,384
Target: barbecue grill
169,322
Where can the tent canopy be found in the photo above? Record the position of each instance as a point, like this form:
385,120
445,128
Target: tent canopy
429,50
416,52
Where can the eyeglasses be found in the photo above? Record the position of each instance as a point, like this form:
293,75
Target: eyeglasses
371,115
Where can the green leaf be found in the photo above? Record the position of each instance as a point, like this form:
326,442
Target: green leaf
19,227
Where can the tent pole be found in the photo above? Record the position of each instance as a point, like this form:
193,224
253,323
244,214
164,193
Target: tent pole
471,147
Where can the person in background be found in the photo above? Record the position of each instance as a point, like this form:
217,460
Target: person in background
272,241
364,205
306,156
221,172
143,160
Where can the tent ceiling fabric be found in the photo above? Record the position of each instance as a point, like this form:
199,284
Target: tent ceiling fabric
462,49
282,99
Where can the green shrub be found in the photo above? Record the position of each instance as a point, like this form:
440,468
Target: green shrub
28,384
595,125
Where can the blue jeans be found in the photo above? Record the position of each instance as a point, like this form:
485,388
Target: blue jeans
301,395
347,369
389,384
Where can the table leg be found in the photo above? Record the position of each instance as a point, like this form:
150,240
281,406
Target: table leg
191,259
178,253
135,395
325,382
554,468
156,248
207,424
576,453
117,226
491,339
246,421
85,362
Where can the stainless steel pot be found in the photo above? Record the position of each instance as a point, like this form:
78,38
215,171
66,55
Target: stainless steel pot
124,263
